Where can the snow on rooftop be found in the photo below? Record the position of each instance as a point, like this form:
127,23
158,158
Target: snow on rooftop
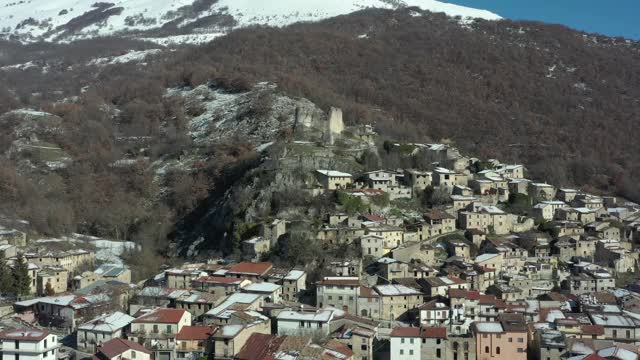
489,327
319,316
108,323
485,257
294,275
334,173
231,330
394,289
490,209
264,287
233,299
131,56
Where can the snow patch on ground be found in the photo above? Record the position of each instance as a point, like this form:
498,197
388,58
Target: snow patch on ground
31,112
24,66
192,39
132,56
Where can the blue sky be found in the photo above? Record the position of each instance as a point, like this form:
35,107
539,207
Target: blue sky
608,17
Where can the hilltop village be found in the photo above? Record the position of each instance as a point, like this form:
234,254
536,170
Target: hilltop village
454,258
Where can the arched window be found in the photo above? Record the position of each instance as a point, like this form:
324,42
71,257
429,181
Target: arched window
455,346
498,350
486,349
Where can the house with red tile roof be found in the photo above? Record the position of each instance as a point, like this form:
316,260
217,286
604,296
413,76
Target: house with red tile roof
120,349
157,330
195,340
260,347
249,270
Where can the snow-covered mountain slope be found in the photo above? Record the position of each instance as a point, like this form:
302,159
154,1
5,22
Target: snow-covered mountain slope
64,20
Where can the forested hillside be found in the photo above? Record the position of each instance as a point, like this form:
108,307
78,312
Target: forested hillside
564,102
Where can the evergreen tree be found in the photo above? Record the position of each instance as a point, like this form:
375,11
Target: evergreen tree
48,290
21,276
6,277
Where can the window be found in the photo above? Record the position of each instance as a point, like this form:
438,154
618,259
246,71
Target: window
411,340
520,350
45,343
498,350
410,352
486,349
438,354
17,344
402,340
520,340
401,352
510,339
133,354
628,334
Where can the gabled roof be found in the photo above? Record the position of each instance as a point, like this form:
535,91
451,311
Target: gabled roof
161,316
108,322
249,268
196,332
333,173
260,347
117,346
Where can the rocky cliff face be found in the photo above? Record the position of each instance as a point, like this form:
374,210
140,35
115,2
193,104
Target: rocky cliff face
292,137
256,116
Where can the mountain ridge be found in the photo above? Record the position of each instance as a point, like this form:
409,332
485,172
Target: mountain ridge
68,20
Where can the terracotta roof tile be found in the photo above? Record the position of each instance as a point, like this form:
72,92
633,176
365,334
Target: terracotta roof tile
434,332
592,329
161,316
594,357
117,346
374,218
218,279
405,332
260,347
251,268
462,293
196,332
367,292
